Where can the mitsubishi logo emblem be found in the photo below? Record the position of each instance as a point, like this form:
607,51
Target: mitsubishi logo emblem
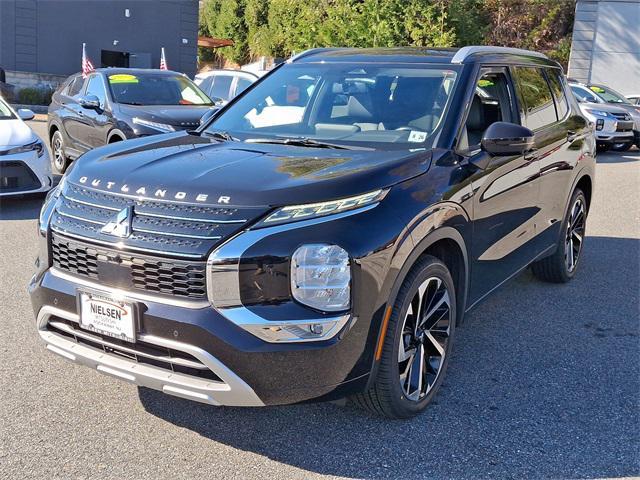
121,225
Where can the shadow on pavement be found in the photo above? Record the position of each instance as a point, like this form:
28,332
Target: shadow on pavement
24,207
543,383
619,157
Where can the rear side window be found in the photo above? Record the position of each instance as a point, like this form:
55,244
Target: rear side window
536,102
242,85
557,89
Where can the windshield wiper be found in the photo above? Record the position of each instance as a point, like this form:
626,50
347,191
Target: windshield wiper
130,103
220,135
297,142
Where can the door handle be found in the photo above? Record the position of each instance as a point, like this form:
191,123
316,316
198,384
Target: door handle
572,135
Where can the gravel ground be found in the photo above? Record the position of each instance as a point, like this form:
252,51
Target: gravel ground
544,383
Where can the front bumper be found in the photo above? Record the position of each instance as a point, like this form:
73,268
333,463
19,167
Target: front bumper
25,173
251,372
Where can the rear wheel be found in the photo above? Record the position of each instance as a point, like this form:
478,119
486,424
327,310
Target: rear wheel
562,265
60,160
417,343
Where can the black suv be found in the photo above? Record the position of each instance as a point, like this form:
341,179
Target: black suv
114,104
324,234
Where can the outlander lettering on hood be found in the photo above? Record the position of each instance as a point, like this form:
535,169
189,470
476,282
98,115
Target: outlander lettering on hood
144,191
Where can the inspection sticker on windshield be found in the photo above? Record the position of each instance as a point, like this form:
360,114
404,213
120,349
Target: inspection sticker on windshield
415,136
123,78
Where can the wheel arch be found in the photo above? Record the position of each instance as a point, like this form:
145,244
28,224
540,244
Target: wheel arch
585,183
116,133
53,128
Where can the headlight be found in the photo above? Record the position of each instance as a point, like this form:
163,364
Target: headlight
49,201
33,146
304,212
162,127
601,113
321,277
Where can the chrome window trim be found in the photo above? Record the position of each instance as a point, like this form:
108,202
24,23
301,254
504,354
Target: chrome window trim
465,52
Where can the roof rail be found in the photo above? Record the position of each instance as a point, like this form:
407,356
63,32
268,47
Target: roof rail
311,51
465,52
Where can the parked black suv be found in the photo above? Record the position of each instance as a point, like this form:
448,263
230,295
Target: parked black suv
114,104
324,234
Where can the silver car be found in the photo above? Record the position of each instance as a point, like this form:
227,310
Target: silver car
606,95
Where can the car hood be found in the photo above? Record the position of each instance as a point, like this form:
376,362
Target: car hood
186,116
188,167
15,133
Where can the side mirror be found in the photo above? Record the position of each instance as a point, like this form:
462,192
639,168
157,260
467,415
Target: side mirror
26,114
208,115
89,101
504,138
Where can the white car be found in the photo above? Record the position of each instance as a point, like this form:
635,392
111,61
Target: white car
223,85
24,160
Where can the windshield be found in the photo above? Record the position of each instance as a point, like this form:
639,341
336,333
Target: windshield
373,105
609,96
5,111
155,89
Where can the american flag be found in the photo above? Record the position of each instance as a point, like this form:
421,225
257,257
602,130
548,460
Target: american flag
163,61
87,66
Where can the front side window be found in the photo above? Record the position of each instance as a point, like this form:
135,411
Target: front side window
379,105
584,95
96,87
221,86
537,107
492,102
154,89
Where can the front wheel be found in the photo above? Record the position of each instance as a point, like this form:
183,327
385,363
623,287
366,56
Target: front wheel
562,265
417,343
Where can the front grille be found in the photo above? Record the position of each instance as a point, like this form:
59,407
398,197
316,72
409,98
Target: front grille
141,351
622,116
117,269
16,177
162,227
624,127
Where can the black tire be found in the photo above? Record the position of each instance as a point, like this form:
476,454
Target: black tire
622,147
59,160
560,267
390,396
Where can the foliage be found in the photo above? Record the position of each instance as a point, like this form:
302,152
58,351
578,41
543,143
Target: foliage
282,27
34,96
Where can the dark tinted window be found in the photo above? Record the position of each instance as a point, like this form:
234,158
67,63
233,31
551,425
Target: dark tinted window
76,86
221,86
558,92
535,98
96,87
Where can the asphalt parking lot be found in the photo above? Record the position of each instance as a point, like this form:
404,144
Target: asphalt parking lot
544,383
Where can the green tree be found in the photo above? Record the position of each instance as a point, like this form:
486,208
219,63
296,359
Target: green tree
225,19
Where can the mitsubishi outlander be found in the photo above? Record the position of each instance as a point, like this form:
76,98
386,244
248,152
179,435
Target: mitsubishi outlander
323,234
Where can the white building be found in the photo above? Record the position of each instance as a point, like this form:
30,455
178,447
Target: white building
606,44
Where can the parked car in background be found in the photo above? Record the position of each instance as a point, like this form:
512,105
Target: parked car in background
255,262
609,96
113,104
24,159
614,125
224,84
634,99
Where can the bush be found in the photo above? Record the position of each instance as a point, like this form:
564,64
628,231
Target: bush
35,96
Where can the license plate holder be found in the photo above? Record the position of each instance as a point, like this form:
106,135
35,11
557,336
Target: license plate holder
105,314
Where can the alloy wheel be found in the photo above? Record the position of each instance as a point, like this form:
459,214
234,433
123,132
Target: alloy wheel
575,234
424,339
58,153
